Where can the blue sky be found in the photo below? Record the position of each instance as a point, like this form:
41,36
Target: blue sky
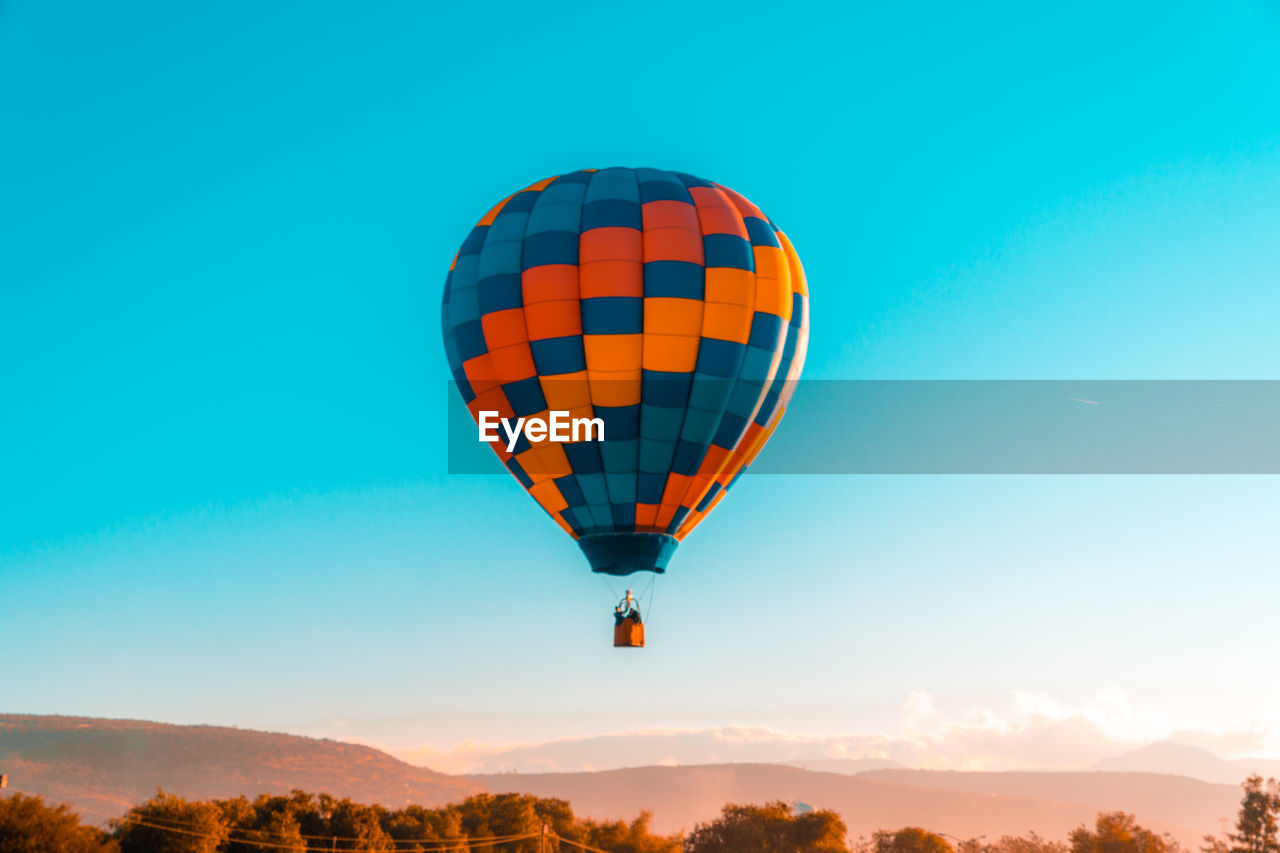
223,237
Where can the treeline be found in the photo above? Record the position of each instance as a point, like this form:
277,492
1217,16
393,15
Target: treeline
302,822
514,823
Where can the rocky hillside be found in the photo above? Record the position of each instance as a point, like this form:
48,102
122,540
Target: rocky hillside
101,767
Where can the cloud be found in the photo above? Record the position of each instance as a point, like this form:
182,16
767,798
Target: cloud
1033,731
920,711
1252,739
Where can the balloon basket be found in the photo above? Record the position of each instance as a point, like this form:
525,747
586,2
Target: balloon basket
628,635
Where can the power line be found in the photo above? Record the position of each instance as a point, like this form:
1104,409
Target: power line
577,844
433,845
195,834
455,843
238,831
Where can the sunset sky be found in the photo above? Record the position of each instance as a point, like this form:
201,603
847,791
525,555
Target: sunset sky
224,231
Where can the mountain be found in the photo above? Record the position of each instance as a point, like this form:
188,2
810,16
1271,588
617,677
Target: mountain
666,747
102,767
961,804
1183,760
849,766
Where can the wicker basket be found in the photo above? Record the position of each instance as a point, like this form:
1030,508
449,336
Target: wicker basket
628,634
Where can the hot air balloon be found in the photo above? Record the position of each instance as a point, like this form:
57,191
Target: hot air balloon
667,306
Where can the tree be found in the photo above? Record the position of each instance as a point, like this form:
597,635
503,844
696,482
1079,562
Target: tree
169,824
634,837
488,815
418,824
1029,843
267,825
1256,822
911,839
1215,844
357,827
1118,832
27,825
771,828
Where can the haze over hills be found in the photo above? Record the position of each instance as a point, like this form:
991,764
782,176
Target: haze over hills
1073,746
102,767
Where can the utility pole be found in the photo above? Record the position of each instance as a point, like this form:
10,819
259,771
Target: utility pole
542,840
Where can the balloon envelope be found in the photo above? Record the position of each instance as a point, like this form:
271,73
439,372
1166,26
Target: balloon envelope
667,306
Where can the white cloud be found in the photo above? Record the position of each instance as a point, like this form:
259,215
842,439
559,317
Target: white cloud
920,712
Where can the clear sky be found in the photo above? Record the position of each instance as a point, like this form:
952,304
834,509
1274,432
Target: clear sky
224,230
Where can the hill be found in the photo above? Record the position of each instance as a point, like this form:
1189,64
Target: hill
1183,760
961,804
102,767
646,747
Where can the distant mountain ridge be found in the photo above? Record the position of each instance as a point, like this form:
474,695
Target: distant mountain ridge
731,744
1183,760
848,766
102,767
